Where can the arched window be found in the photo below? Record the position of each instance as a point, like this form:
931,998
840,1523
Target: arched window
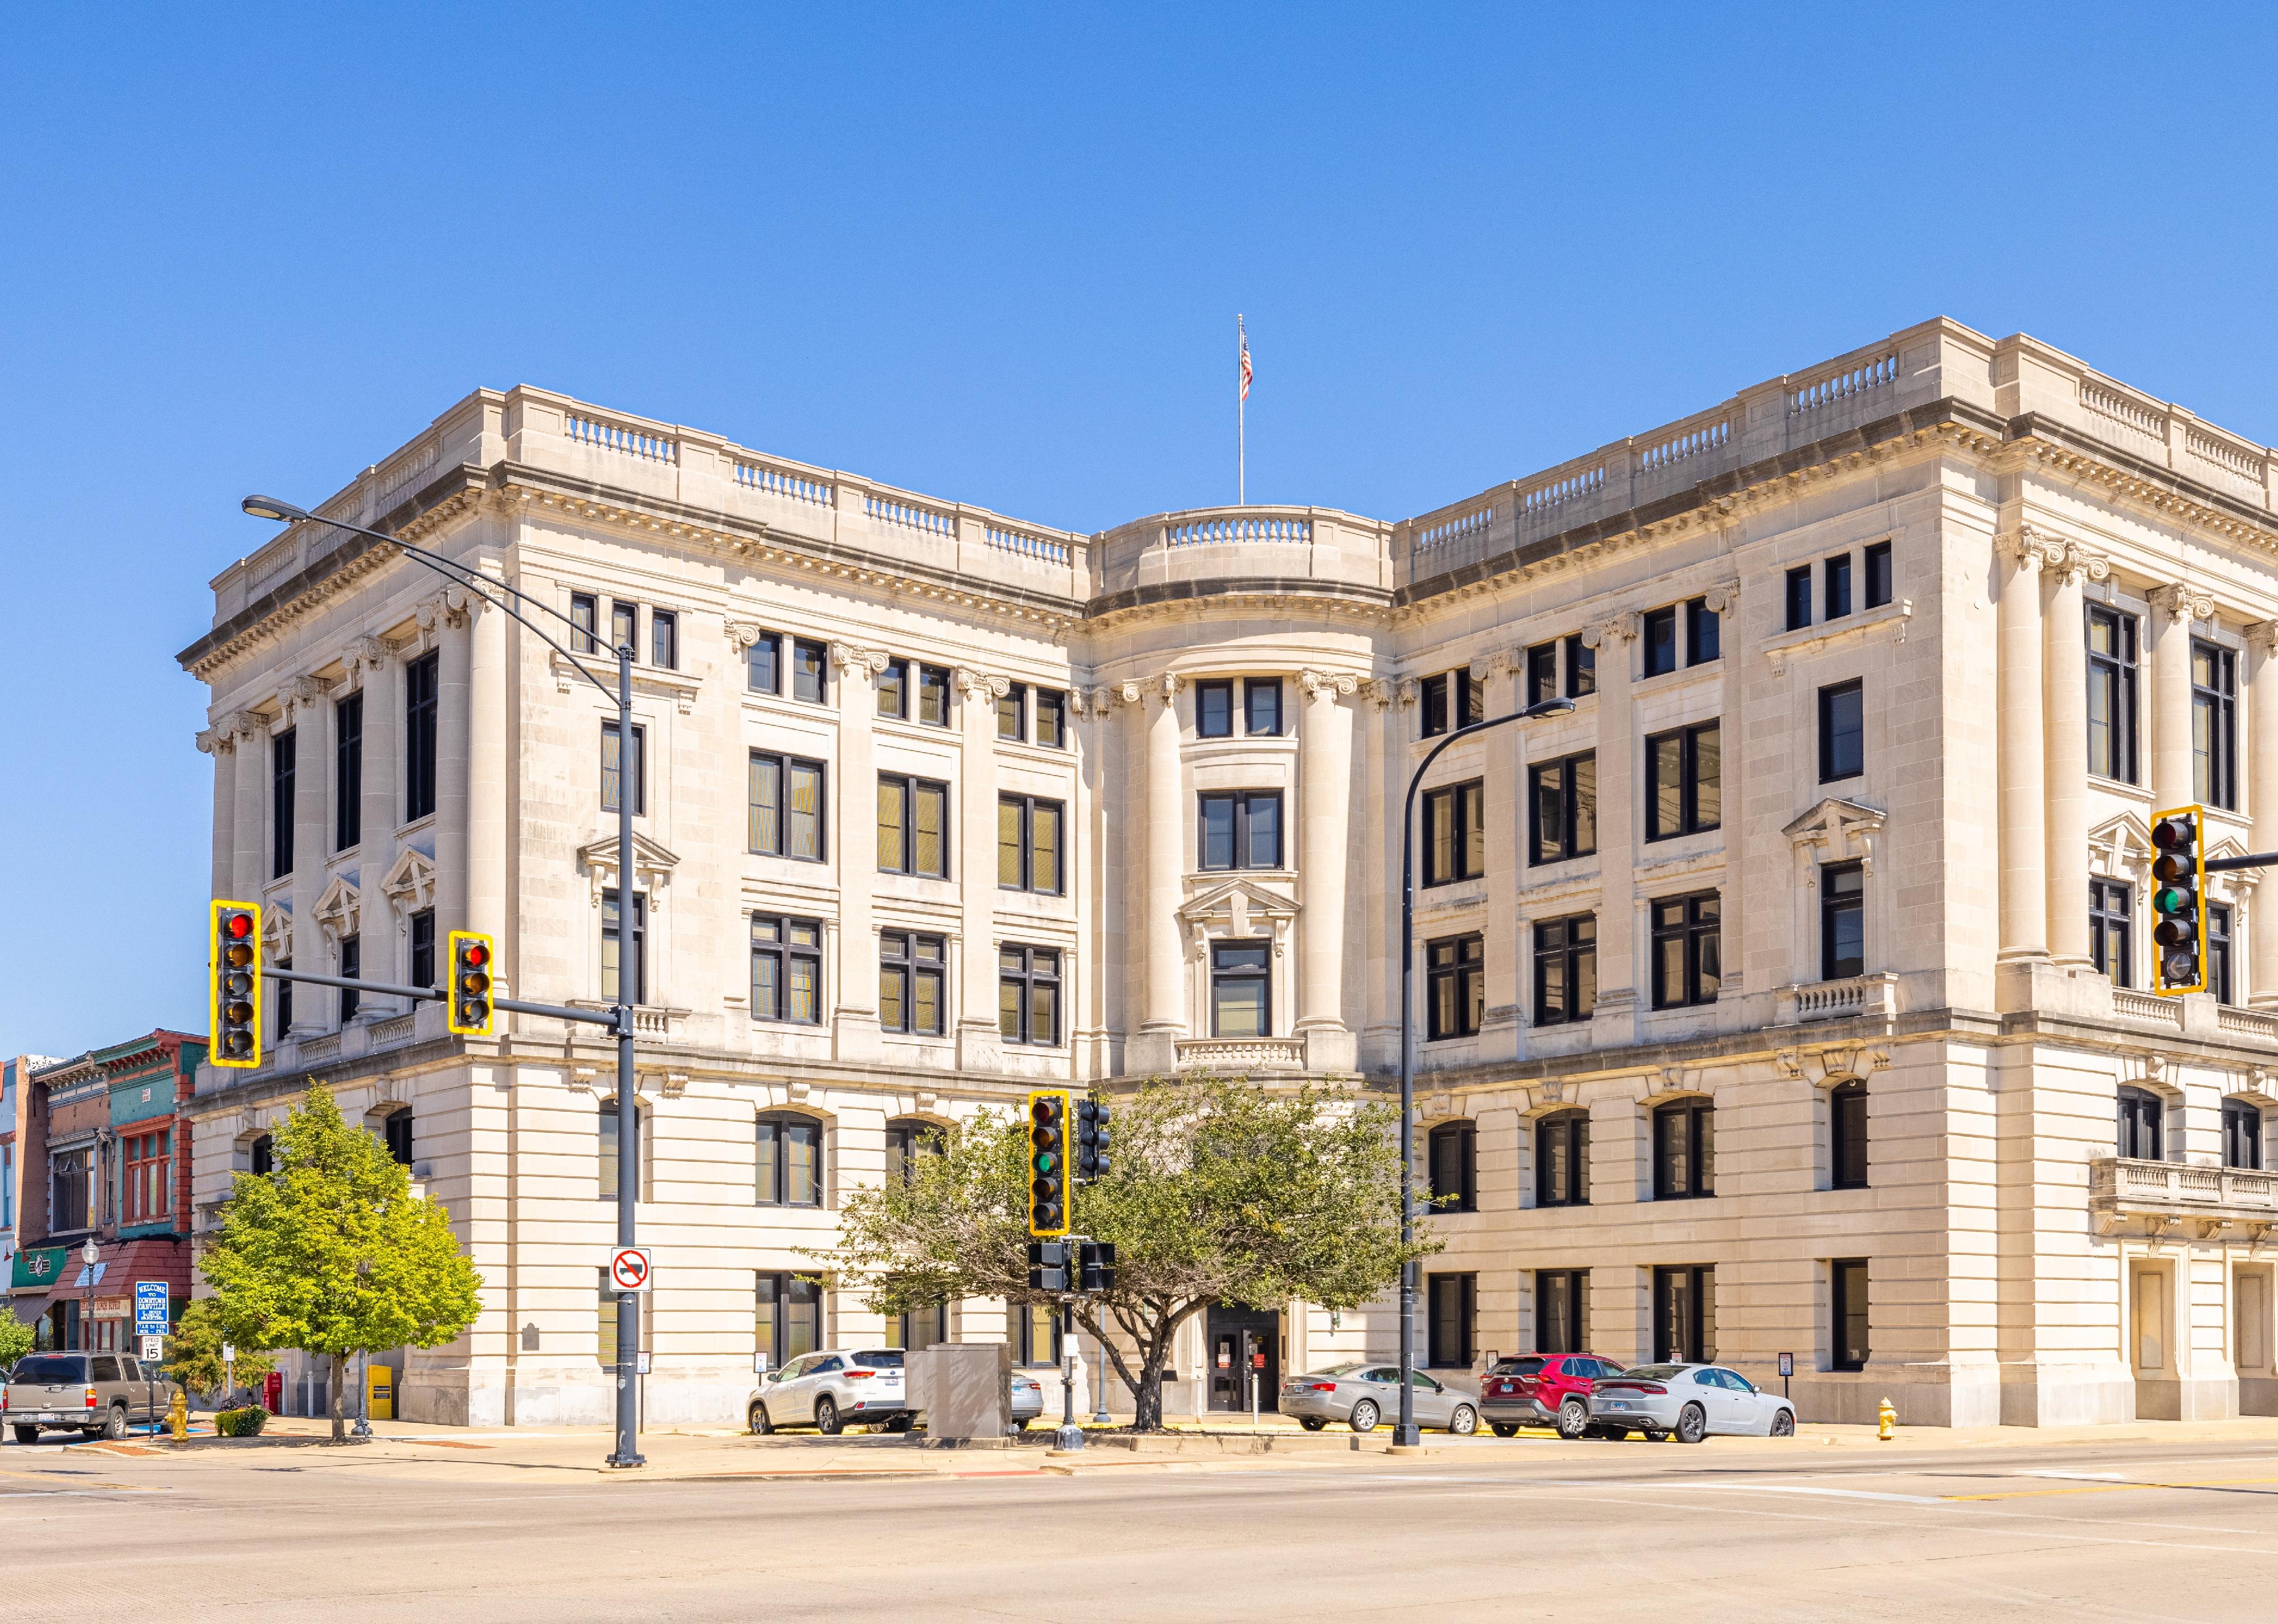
1454,1174
1683,1150
2142,1116
907,1138
1847,1121
1561,1159
790,1166
644,1157
396,1130
2242,1134
261,1156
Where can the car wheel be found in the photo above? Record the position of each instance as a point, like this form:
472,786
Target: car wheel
1310,1423
114,1423
1505,1430
1783,1423
1573,1419
760,1425
1692,1424
1019,1426
898,1423
1365,1416
826,1418
1465,1422
27,1434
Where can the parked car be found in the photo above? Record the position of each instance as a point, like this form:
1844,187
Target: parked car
97,1394
1363,1395
831,1390
1531,1390
1028,1401
1688,1402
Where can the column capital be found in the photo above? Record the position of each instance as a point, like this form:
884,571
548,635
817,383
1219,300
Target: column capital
849,658
1722,596
974,684
1384,693
217,742
1330,684
2180,602
2262,637
1090,701
2034,549
372,653
302,692
1622,628
742,633
1164,688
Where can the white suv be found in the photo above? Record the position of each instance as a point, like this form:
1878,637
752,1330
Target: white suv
831,1390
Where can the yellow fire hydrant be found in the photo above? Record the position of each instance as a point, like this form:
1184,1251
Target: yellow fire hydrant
177,1416
1886,1418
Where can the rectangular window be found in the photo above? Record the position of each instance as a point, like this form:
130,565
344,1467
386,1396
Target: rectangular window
788,1171
1451,1300
1687,962
786,1317
1561,1159
913,826
786,806
625,953
763,665
1836,575
283,749
1029,995
1454,833
1848,1277
1029,844
1565,969
1214,708
1842,921
2111,694
810,664
1240,828
1704,633
1039,1326
1012,713
1453,1153
636,769
1242,989
894,689
280,1000
786,969
1684,1151
1847,1116
419,698
624,626
1433,706
1562,808
1660,641
1684,1315
1561,1309
2242,1134
351,970
933,695
1052,718
1878,575
2112,931
1799,597
1261,702
2214,725
1455,986
2142,1118
348,772
1541,673
422,947
664,639
1842,732
147,1184
2217,959
1683,781
1582,667
584,621
68,1182
911,982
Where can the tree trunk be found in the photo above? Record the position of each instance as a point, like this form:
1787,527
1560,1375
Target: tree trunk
1147,1403
339,1422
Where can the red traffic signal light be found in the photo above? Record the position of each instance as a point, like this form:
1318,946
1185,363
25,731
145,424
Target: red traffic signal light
234,985
467,1003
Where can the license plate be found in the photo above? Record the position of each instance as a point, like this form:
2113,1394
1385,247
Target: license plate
1617,1404
49,1415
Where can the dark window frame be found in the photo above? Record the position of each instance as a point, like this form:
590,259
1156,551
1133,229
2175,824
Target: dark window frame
763,664
1452,1148
771,1172
810,668
351,968
1700,929
894,690
421,929
1582,667
1451,1301
1685,1150
918,958
1566,1331
1684,1313
1039,970
284,793
1835,587
1455,979
1879,582
2113,682
1834,767
1849,1295
1842,896
2214,725
1214,707
2112,929
786,954
610,772
1464,808
1242,806
584,623
2142,1132
1657,641
640,955
625,625
664,638
1704,633
909,788
1568,1131
1563,942
1567,770
933,690
1542,672
1049,728
2221,939
2243,1133
1254,689
1848,1150
422,678
1690,782
1798,600
758,764
1012,714
786,1293
396,1131
347,771
1025,807
1259,974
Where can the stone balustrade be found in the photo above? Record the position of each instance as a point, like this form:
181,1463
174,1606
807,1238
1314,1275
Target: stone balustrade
1241,1056
1835,1000
2125,1187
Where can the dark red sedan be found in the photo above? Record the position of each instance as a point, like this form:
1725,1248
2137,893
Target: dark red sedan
1531,1389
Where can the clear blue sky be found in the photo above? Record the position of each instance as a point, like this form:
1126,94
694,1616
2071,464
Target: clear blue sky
993,254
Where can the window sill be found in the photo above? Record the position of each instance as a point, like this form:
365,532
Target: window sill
1857,627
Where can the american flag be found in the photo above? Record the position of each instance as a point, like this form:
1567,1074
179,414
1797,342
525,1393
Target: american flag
1245,331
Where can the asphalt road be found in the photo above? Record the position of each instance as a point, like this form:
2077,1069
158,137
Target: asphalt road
2148,1533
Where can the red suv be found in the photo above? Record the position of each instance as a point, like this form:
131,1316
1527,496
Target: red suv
1530,1389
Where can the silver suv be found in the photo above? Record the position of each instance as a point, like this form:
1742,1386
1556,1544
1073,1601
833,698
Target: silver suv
831,1389
97,1394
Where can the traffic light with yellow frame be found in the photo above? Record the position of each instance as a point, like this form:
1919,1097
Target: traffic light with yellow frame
2179,939
1048,1162
234,984
467,1008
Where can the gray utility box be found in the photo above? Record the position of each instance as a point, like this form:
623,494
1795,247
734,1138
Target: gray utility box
962,1389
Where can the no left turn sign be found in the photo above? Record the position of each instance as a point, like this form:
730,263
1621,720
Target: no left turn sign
629,1268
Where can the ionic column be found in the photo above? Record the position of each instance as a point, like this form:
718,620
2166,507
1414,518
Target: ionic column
1324,849
2064,663
373,665
1392,710
1164,1018
452,695
311,708
980,1047
1620,996
2262,785
1095,1009
854,1016
487,768
2172,608
220,743
2021,755
249,823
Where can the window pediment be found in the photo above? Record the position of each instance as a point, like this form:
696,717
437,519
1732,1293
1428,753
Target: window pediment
339,909
1839,830
410,882
653,866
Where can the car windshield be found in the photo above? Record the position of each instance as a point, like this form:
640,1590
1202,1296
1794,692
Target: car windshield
1516,1366
1653,1372
879,1359
1354,1369
53,1370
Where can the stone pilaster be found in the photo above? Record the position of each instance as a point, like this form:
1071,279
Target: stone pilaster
452,695
1154,1048
2173,609
1095,1009
220,743
2021,755
1621,959
1391,708
980,1047
2064,664
371,665
854,1016
1323,850
249,824
308,704
2262,787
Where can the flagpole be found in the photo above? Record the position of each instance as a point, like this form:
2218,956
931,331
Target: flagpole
1242,423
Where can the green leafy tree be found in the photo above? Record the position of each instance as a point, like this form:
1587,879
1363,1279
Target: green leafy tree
194,1351
1220,1191
329,1253
16,1339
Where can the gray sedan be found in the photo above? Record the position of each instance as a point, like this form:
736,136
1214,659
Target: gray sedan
1362,1396
1688,1402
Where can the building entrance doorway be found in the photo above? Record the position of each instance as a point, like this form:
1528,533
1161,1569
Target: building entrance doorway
1244,1349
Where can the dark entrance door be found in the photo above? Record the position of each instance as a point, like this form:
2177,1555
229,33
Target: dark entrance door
1245,1355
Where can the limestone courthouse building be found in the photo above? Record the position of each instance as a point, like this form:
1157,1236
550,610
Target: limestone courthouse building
1790,995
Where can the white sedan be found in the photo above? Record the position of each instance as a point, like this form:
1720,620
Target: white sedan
1688,1402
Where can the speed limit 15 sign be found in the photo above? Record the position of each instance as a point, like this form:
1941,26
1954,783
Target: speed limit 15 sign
628,1269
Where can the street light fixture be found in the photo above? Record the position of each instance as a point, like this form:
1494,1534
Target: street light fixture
90,1254
1406,1431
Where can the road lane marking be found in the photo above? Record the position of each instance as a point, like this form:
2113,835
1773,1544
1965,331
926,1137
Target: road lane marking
2085,1477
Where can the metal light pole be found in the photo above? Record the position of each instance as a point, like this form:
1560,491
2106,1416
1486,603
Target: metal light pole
620,1017
90,1254
1406,1430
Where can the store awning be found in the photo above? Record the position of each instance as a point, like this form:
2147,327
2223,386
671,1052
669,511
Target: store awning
38,1268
